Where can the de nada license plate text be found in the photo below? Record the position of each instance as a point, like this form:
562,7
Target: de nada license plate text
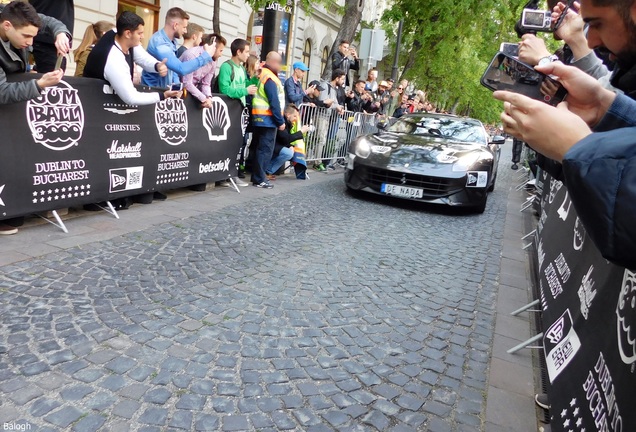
402,191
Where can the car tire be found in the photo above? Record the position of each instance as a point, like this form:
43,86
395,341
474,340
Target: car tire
481,207
492,185
353,192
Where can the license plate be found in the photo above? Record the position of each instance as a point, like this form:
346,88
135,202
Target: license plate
401,191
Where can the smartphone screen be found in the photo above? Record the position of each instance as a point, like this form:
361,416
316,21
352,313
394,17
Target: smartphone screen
508,73
177,87
512,49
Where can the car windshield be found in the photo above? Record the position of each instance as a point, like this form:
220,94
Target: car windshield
444,127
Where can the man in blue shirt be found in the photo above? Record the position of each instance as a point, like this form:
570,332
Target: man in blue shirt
162,45
294,92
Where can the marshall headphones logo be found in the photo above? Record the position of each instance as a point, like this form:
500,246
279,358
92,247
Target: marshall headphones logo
56,118
171,118
216,120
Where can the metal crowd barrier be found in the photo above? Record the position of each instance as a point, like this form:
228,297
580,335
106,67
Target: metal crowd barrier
331,133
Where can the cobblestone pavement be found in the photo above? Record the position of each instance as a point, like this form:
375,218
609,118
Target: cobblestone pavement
306,311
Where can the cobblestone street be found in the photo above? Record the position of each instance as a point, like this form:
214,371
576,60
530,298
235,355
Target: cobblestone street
308,310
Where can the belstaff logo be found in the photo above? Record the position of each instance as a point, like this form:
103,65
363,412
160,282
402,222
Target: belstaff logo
56,118
171,118
216,120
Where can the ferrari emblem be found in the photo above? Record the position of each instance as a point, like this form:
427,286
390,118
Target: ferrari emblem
403,181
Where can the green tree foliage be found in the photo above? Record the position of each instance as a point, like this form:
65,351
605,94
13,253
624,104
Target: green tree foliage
447,45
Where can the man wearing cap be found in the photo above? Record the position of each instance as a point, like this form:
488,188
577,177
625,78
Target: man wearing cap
313,95
294,92
380,99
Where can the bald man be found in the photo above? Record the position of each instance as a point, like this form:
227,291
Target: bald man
267,118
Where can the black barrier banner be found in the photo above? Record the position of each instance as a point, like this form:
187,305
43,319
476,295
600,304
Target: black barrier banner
589,323
79,144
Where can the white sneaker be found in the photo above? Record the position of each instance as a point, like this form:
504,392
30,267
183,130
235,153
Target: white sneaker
240,182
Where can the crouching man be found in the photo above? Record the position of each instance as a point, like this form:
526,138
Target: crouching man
19,23
289,145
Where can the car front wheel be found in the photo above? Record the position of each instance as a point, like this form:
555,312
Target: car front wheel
481,207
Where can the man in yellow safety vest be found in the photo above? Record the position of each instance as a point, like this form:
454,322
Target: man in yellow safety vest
267,118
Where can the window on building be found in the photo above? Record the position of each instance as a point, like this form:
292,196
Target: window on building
307,59
147,9
324,59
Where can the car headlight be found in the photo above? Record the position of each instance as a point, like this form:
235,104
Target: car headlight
465,162
363,149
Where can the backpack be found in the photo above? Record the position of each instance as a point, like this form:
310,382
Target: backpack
215,80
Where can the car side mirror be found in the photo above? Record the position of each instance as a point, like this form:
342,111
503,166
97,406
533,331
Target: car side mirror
499,140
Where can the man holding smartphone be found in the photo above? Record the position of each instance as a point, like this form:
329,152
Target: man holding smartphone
294,92
345,59
162,45
114,56
19,24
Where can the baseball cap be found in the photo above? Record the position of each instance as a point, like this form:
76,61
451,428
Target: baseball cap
383,84
316,84
300,65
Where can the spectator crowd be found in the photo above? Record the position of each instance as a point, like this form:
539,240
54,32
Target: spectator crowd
35,34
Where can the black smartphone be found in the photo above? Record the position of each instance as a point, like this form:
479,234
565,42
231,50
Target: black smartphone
177,87
507,73
512,49
58,62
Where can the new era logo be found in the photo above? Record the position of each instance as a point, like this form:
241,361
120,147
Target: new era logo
123,179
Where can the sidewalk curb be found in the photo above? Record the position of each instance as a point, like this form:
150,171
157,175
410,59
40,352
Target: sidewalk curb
510,395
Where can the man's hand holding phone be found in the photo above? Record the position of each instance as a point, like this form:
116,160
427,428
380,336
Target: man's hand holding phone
210,49
586,96
173,94
51,78
62,44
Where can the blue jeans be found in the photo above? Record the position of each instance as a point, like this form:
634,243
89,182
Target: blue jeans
265,138
285,154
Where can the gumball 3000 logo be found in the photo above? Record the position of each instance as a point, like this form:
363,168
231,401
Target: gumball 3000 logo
626,318
56,118
171,118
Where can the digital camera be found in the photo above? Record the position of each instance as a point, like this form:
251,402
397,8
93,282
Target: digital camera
536,20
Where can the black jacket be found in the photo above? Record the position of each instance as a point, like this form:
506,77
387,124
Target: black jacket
13,60
339,61
355,103
96,61
285,139
314,100
62,10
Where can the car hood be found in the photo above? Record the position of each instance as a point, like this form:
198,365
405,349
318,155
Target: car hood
421,153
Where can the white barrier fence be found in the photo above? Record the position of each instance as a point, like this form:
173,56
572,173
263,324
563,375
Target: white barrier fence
331,133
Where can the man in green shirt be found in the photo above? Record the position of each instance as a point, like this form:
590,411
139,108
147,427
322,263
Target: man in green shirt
232,75
232,82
